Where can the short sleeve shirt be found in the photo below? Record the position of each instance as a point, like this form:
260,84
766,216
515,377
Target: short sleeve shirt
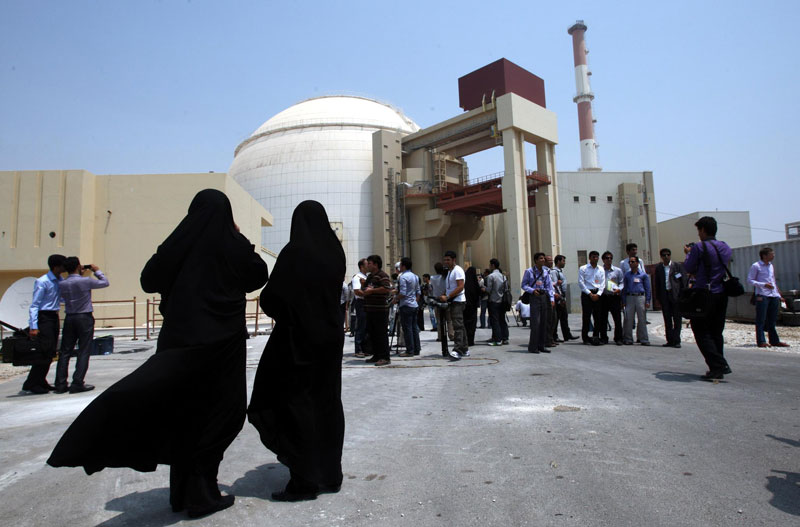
455,274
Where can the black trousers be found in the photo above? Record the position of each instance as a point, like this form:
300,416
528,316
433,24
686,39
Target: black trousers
360,324
590,312
672,319
540,311
470,322
497,320
78,327
563,318
378,330
551,324
610,304
708,333
48,339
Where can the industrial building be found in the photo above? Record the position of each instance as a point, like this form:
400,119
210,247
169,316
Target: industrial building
733,227
388,186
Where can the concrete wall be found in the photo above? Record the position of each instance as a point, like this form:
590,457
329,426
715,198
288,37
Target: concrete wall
733,227
597,224
113,221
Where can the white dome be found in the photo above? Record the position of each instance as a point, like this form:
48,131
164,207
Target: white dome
318,149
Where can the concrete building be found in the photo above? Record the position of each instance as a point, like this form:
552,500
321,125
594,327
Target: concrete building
733,227
793,230
113,221
320,149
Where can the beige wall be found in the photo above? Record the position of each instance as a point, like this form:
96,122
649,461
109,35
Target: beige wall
113,221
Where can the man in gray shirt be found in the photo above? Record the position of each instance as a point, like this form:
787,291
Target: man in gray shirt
76,290
495,286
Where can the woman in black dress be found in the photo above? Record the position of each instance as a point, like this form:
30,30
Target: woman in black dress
472,290
296,403
184,406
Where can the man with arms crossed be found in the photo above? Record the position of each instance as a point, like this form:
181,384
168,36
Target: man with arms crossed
454,293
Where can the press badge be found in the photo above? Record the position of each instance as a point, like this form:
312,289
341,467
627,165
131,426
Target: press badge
636,280
538,282
677,275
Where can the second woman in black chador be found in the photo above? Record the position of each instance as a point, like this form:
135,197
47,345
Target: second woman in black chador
185,405
296,403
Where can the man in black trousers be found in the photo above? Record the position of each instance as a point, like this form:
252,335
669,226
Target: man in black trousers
670,280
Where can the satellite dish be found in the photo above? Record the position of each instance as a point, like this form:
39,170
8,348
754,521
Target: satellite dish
16,301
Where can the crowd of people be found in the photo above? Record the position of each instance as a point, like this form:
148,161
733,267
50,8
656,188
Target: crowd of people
186,404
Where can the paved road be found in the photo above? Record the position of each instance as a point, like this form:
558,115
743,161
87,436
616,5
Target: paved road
616,436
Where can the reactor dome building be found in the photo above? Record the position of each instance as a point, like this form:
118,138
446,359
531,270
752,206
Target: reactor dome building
320,149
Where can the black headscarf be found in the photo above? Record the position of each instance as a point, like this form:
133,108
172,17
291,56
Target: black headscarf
206,264
306,283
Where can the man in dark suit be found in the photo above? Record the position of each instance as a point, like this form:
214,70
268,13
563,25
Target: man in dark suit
670,279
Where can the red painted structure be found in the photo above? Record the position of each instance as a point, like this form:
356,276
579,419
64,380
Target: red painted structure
500,77
484,197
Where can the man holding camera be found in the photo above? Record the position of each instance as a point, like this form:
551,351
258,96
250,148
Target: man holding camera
76,291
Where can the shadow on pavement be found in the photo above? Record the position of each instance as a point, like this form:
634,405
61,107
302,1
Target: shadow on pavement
143,509
259,482
676,376
785,491
786,440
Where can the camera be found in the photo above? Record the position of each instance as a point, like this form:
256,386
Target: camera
434,302
87,267
691,244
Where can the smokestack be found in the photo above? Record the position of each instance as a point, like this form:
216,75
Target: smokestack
584,97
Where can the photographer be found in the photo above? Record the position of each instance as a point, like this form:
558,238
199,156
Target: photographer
76,290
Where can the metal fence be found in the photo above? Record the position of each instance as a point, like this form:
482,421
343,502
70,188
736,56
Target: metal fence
786,263
154,318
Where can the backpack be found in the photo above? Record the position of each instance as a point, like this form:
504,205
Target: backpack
507,300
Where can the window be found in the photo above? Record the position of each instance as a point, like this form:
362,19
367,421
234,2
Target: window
609,199
593,199
576,199
582,259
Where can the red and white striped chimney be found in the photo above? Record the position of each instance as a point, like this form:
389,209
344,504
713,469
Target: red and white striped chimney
584,97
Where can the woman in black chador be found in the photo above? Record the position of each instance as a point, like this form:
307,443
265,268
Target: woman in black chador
186,403
297,397
472,290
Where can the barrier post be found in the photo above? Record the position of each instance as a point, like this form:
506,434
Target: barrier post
134,319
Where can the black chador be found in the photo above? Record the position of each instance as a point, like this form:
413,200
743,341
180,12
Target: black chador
186,403
296,404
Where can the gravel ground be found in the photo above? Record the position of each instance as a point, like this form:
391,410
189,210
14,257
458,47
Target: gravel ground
737,335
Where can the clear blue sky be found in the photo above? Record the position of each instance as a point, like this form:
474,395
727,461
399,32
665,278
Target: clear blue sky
701,93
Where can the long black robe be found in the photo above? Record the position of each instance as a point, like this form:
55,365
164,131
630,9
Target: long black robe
185,404
472,291
296,403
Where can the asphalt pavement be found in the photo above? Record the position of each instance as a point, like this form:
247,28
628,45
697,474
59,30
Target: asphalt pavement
606,436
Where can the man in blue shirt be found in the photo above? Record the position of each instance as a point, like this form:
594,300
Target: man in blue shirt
706,261
43,321
636,295
536,281
408,291
76,290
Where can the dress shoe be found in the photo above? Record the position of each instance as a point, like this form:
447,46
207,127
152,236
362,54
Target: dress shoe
533,351
781,345
504,343
286,495
666,345
37,390
223,503
84,388
329,489
572,338
406,354
713,376
763,345
618,342
383,362
360,355
545,350
645,343
60,389
372,359
596,342
727,370
678,346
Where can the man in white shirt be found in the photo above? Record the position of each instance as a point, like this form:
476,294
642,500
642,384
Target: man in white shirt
591,279
767,298
611,302
524,312
454,294
358,302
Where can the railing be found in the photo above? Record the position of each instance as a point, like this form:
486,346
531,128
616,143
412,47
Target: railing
154,319
132,317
